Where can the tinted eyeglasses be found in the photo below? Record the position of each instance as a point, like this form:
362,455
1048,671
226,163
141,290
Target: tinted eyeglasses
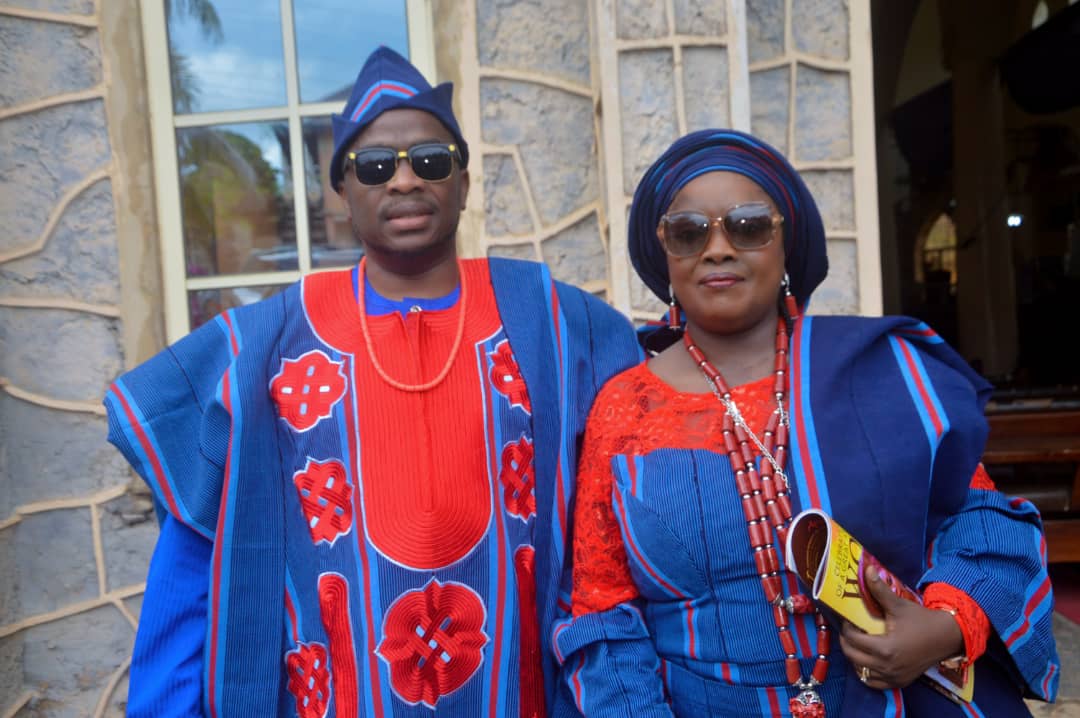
430,161
747,226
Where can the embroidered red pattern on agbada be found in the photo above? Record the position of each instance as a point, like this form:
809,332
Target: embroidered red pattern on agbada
423,504
518,477
427,502
309,679
306,389
334,608
326,497
532,702
432,639
506,377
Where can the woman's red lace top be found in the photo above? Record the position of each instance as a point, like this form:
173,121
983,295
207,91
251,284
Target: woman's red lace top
637,412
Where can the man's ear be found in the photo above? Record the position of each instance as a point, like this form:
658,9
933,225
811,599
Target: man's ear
464,191
340,190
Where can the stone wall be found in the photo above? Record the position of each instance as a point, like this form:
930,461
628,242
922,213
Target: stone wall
801,102
74,539
538,138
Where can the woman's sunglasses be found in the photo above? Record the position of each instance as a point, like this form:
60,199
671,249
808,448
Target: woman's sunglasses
430,161
747,226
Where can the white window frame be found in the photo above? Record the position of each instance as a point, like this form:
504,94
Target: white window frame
163,126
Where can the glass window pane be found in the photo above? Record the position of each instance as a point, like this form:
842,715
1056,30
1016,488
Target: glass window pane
332,240
205,304
237,199
225,54
334,36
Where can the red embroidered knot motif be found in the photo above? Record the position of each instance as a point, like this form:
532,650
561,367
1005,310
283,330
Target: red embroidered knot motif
306,389
432,641
506,376
518,477
309,679
326,499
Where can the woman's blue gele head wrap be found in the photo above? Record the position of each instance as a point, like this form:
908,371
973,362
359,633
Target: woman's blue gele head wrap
728,151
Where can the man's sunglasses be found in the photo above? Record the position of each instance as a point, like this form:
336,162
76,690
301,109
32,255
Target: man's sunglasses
430,161
747,226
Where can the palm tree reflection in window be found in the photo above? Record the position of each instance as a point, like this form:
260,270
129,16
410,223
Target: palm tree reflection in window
185,88
235,196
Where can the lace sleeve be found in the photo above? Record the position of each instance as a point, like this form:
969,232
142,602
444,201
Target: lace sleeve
601,573
973,623
969,616
981,480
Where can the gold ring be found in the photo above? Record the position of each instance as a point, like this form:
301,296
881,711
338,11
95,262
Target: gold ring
864,674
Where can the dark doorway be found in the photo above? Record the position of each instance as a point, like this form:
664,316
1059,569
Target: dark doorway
978,135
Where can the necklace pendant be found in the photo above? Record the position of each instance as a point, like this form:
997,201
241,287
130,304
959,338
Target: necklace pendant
798,603
807,705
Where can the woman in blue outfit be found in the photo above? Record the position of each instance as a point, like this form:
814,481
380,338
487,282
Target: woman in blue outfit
695,460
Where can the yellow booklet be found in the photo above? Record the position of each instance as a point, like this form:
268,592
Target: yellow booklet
828,559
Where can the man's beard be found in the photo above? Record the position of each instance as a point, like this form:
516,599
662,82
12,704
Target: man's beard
409,254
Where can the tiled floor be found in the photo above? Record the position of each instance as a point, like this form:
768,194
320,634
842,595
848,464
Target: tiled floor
1064,708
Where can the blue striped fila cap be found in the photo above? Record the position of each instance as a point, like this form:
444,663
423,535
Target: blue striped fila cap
388,81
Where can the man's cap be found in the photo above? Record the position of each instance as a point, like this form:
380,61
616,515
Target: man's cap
388,81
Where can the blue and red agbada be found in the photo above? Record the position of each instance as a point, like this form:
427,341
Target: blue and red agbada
364,562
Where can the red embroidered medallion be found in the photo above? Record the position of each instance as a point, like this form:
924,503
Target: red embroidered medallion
530,670
309,679
518,477
432,641
506,376
326,498
306,389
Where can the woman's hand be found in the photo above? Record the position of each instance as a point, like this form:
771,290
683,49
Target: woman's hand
915,639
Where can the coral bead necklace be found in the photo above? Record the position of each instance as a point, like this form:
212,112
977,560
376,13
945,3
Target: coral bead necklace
767,507
370,345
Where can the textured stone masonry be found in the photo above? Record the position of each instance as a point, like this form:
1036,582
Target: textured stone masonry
576,255
553,131
822,115
770,106
506,208
765,29
820,28
79,262
700,17
638,19
65,635
549,37
41,447
46,153
649,116
705,74
78,353
68,58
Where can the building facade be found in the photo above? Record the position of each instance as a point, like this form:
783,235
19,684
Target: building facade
155,169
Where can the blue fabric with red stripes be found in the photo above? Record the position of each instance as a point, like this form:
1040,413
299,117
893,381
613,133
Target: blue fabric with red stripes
887,429
199,426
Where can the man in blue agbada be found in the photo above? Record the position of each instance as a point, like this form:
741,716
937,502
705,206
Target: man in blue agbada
366,478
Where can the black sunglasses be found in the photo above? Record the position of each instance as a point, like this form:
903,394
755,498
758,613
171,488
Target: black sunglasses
430,161
747,226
